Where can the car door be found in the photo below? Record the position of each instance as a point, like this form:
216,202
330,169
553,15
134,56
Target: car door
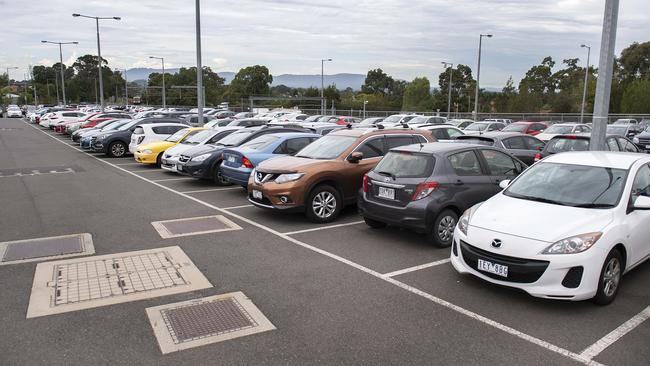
500,167
638,221
373,149
517,146
535,146
626,145
469,183
612,145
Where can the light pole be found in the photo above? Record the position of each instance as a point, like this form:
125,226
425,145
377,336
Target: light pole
584,91
126,90
451,75
10,68
164,100
99,54
322,83
61,64
199,66
364,108
478,72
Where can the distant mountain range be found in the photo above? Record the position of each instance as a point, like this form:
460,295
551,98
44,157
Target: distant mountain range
342,81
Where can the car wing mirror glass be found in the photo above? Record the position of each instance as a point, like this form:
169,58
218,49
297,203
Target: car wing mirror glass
355,157
642,203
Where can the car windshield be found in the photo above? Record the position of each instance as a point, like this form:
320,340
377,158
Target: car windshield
177,136
559,129
477,127
261,142
515,127
393,119
327,118
113,125
104,124
558,145
312,118
419,120
328,147
199,137
400,164
370,121
236,138
617,130
128,125
570,185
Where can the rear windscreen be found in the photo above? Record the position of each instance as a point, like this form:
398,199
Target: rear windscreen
406,165
563,144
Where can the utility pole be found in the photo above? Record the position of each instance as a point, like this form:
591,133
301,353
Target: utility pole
199,65
478,74
451,75
164,99
126,90
605,72
584,91
323,103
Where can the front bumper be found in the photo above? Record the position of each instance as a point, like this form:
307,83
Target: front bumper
549,284
145,158
98,146
273,193
199,170
170,164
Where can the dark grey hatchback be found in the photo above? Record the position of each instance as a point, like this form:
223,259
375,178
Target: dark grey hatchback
427,187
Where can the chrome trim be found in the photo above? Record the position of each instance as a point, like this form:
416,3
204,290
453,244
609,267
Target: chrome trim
390,185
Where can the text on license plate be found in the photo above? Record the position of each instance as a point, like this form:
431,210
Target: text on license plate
647,146
386,193
231,159
257,194
497,269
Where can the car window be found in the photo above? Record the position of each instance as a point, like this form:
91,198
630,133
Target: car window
160,130
465,163
533,143
294,145
495,127
372,148
641,185
440,134
558,145
401,164
453,133
538,127
499,163
138,131
612,145
515,143
420,139
626,145
397,141
261,142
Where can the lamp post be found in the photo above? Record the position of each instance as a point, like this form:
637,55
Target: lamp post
584,91
364,108
99,54
322,83
10,68
478,72
451,75
164,100
199,65
61,65
126,90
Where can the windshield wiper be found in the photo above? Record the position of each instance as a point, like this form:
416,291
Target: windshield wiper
388,174
538,199
593,205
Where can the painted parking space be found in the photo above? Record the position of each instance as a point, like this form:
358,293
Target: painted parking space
629,349
221,196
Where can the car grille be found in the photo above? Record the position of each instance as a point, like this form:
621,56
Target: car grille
644,141
520,270
183,158
261,177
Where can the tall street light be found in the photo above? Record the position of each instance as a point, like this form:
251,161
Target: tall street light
451,75
199,65
126,89
478,72
584,91
61,64
162,59
10,68
322,84
99,54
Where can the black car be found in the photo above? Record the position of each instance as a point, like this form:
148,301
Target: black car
427,187
564,143
642,140
204,162
522,146
116,143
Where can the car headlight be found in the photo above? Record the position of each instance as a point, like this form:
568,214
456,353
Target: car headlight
101,137
147,151
573,244
285,178
635,140
201,157
463,222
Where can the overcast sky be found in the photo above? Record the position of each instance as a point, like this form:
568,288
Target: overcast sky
406,38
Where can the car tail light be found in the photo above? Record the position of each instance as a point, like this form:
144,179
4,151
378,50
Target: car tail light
424,189
538,157
246,163
365,183
571,137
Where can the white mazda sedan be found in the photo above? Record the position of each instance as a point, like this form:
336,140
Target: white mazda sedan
567,228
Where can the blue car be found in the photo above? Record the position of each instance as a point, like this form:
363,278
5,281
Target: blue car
239,162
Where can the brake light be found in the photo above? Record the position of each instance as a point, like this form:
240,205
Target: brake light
246,163
571,137
538,157
424,189
365,183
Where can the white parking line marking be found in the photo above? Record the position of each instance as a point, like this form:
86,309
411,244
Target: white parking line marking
124,164
323,228
170,179
147,171
208,190
416,268
598,347
551,347
236,207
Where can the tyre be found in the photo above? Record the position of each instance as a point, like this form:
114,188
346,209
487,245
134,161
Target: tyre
159,160
374,223
217,178
610,278
442,231
323,204
117,149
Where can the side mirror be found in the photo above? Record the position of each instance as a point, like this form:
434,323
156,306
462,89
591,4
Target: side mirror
642,203
355,157
504,183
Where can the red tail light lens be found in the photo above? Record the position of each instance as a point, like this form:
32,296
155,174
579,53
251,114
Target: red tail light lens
424,189
246,163
538,157
365,183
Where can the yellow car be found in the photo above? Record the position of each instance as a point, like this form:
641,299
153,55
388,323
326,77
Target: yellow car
152,152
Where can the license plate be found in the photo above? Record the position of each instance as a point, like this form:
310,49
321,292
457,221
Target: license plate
257,194
179,167
388,193
647,147
497,269
231,159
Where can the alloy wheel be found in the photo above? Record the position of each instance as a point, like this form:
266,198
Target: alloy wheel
446,228
118,150
324,204
611,276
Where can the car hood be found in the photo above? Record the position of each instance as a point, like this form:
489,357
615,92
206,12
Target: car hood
287,164
202,149
537,220
179,149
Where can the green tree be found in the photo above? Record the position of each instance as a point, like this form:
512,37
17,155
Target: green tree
636,97
417,95
635,62
377,81
250,81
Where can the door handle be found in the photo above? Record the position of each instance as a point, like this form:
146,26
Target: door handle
459,182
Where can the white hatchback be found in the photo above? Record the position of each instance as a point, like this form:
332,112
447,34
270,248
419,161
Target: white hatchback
567,228
152,132
169,159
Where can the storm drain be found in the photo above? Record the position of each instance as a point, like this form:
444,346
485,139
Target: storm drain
194,226
41,249
76,284
204,321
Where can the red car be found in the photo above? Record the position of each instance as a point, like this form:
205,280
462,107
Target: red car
61,128
344,120
529,128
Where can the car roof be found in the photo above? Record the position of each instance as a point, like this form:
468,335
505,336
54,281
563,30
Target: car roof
288,135
438,148
500,135
358,132
609,159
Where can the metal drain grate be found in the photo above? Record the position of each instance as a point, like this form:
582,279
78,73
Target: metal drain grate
82,283
204,321
45,248
194,226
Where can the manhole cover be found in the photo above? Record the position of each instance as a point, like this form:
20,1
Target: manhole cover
40,249
76,284
204,321
194,226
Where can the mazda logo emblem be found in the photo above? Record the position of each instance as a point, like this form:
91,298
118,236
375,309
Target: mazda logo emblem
496,243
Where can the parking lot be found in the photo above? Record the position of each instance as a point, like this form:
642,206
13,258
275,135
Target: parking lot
339,293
